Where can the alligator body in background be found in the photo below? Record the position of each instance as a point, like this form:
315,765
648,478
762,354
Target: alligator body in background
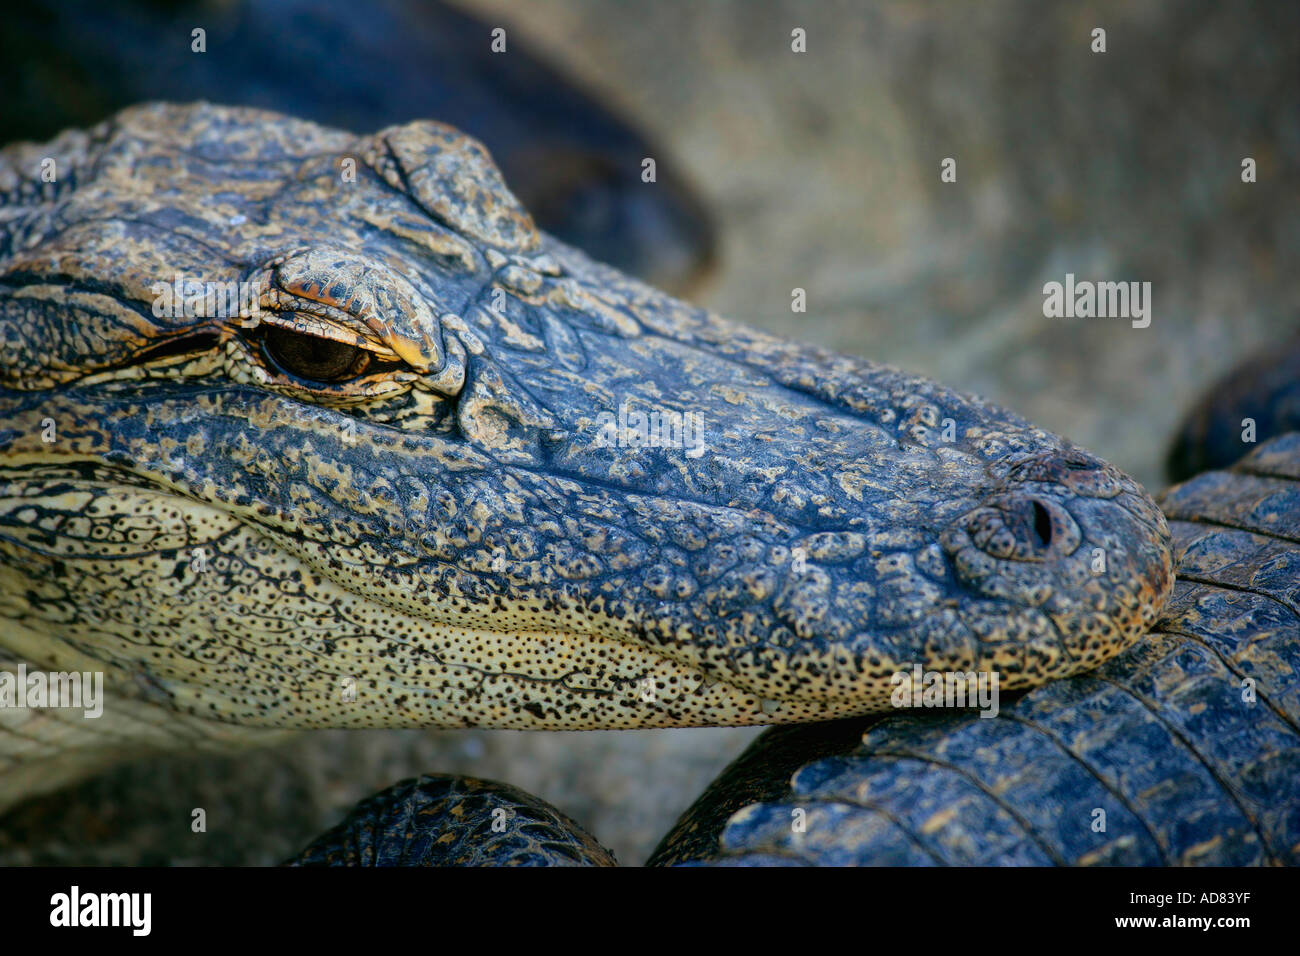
576,165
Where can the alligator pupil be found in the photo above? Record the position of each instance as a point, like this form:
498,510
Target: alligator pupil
1042,524
314,358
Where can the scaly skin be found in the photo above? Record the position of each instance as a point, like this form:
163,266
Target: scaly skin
444,530
455,821
1184,750
1189,742
1256,401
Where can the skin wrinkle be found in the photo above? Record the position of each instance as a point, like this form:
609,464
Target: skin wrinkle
478,555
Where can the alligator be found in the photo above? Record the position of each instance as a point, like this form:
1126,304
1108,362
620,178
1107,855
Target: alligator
1183,750
447,820
302,429
1256,401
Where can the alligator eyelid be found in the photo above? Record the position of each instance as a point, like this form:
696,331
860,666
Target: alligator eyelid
189,343
323,325
291,304
320,330
281,302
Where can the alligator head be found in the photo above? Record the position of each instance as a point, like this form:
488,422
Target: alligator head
303,429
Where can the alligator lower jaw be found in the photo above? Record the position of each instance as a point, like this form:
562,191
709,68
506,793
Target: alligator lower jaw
520,681
206,617
213,615
43,749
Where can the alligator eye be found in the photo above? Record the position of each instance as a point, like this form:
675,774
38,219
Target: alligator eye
314,358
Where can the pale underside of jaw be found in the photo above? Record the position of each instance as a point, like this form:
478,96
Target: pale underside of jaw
251,632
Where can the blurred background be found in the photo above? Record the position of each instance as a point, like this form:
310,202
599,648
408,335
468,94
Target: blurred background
821,170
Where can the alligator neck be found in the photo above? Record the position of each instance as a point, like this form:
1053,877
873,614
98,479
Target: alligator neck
43,747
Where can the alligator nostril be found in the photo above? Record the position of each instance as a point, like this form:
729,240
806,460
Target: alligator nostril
1042,524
